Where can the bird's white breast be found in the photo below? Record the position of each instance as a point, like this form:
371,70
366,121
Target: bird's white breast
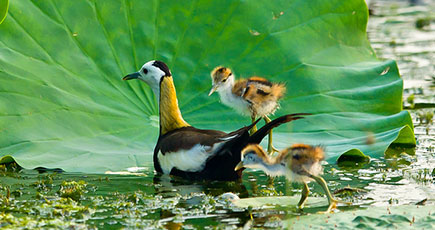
275,169
234,101
189,160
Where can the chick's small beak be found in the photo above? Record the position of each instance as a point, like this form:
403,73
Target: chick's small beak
214,88
131,76
239,166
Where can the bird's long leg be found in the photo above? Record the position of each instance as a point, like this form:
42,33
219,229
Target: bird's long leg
270,148
305,192
331,200
253,129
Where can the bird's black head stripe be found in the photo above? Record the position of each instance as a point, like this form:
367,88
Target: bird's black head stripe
162,66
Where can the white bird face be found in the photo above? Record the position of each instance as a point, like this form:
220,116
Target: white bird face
151,73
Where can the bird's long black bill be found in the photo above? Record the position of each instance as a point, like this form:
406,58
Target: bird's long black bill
131,76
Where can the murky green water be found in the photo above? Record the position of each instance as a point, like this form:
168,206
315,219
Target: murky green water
391,186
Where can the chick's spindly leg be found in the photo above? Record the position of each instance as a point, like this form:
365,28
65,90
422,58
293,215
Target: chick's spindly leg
253,129
305,191
331,200
270,148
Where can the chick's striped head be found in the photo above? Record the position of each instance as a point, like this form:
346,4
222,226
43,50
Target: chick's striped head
253,156
256,149
221,77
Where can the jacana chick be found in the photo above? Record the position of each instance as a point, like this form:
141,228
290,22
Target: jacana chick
254,97
298,163
186,151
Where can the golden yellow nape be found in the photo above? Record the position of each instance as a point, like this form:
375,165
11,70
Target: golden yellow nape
170,115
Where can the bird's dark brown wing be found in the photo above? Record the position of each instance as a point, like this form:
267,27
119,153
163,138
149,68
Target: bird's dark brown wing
186,138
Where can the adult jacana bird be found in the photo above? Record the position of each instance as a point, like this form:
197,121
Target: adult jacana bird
298,163
186,151
255,96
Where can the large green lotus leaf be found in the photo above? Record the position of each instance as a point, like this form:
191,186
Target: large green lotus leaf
63,104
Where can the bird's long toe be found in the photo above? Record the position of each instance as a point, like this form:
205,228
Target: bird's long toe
331,207
342,202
